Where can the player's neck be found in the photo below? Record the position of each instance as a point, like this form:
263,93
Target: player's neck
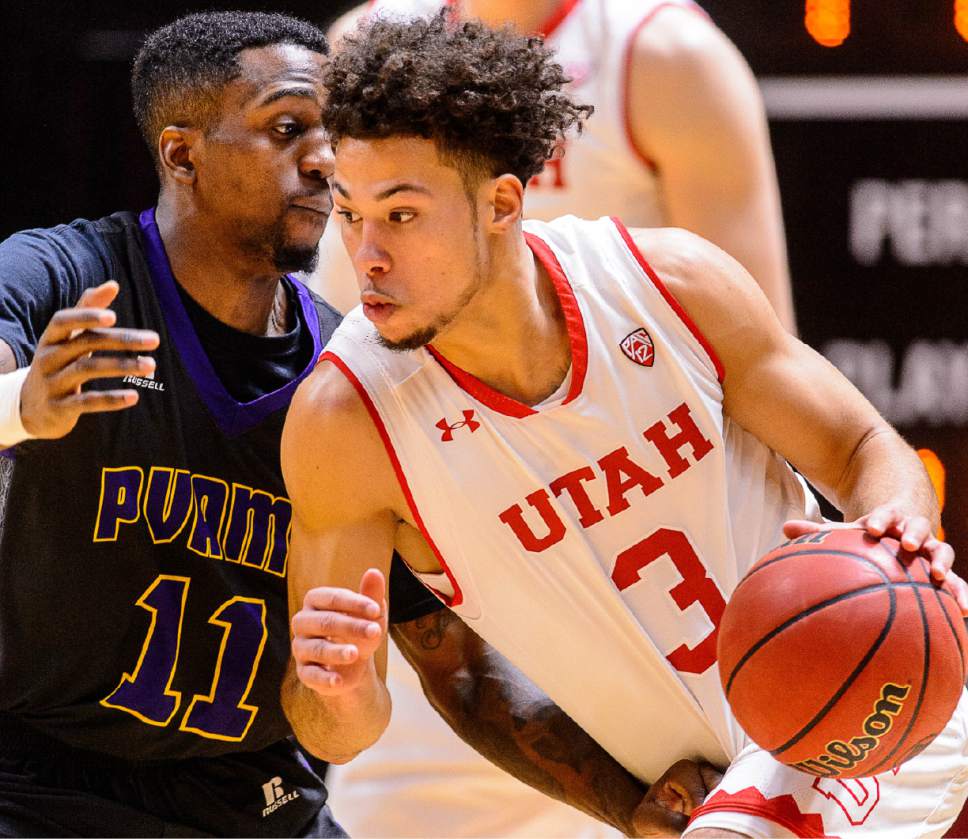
526,17
512,335
238,290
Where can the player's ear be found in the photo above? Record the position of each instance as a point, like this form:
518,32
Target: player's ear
177,147
507,201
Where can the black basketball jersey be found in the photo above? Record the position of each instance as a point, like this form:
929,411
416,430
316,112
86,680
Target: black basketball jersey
143,603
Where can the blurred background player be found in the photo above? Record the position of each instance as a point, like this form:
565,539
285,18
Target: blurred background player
678,138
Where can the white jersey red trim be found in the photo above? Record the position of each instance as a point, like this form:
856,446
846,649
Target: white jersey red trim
541,519
541,537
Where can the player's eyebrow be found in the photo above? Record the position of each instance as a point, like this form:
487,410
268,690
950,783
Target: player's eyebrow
283,92
386,193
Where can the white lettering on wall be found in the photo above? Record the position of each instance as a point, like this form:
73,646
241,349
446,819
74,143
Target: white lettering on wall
931,383
918,222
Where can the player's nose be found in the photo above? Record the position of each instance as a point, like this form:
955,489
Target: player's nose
317,161
371,257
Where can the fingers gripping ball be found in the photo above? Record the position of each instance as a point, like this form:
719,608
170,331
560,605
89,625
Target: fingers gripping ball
838,658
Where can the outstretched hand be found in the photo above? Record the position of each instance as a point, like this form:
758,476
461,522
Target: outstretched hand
337,632
79,345
667,806
914,534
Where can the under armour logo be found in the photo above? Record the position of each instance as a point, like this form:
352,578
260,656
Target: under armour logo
448,429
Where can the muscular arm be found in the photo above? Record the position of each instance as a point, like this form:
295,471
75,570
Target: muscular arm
334,693
498,711
696,111
784,392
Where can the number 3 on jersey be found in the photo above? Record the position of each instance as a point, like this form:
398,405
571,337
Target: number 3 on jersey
696,586
146,692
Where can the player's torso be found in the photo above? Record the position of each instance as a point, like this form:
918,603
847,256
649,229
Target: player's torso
165,529
569,530
600,172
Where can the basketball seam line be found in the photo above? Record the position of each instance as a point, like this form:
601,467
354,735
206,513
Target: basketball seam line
857,670
814,552
847,595
925,672
954,632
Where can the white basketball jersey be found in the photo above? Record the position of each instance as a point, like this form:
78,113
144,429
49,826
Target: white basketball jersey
593,540
601,171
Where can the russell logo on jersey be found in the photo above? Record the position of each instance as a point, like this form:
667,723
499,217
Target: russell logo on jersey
638,347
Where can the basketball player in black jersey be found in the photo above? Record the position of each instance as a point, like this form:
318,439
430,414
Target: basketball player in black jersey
143,611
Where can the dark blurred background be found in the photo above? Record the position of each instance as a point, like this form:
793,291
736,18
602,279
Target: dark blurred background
870,138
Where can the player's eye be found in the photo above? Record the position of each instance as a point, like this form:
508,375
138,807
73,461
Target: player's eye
348,216
402,216
287,129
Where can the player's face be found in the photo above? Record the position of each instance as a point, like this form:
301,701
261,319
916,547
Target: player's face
262,175
413,234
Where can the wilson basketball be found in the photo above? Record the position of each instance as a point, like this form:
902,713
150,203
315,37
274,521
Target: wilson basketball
838,658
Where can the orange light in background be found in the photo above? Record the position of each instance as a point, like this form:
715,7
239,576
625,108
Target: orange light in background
961,18
936,472
828,21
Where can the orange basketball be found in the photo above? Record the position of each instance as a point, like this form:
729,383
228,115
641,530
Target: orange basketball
839,659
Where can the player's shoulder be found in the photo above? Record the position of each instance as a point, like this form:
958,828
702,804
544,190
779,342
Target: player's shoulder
678,40
75,252
688,265
329,418
79,238
674,28
327,397
333,458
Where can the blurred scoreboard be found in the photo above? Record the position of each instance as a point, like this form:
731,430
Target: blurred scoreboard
868,108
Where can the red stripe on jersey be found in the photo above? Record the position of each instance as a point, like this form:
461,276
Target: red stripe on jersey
782,810
572,312
577,339
647,161
458,597
673,303
481,391
557,17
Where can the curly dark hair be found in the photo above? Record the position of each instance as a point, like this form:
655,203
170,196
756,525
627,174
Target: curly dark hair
491,99
181,69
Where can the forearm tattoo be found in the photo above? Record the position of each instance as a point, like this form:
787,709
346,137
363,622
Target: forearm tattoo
493,707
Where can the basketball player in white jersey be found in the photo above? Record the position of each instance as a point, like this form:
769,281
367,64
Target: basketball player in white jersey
655,156
578,434
679,136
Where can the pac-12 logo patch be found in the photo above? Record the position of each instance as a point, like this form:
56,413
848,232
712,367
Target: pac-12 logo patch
638,347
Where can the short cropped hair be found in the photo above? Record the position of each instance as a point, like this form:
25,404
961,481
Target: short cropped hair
182,68
488,97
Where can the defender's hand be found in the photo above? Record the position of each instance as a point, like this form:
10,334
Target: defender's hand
667,806
914,534
51,400
337,632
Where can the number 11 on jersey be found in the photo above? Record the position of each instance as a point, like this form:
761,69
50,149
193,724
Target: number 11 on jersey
146,692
